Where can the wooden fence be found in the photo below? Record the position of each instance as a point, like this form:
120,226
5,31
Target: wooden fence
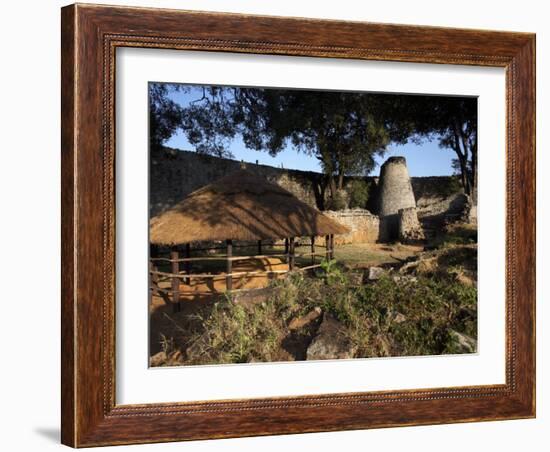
184,275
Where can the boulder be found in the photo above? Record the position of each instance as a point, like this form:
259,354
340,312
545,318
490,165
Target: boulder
465,343
403,279
468,214
158,359
330,341
375,273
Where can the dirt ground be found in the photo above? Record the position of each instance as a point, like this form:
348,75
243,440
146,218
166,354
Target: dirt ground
201,289
362,255
169,329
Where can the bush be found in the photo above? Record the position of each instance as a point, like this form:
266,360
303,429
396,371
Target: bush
338,201
358,190
234,334
428,309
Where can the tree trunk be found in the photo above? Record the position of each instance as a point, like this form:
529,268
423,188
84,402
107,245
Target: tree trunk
340,181
463,170
474,172
462,157
472,181
332,185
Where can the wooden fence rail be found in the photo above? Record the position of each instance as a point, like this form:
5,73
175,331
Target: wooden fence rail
175,276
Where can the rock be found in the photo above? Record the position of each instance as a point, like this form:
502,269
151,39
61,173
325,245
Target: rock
405,279
375,273
330,341
424,264
355,278
468,213
399,318
158,359
175,358
466,280
254,296
465,343
300,322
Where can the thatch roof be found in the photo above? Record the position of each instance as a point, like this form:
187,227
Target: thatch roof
239,206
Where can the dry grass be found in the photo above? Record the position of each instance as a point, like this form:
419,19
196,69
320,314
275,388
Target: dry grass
361,255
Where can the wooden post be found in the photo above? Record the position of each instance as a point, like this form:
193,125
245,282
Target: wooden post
286,246
331,239
291,254
327,247
187,265
229,278
174,255
259,247
154,278
312,250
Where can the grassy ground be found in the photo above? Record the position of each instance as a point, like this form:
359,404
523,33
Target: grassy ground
363,255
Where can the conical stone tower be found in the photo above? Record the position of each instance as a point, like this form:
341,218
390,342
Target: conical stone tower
395,193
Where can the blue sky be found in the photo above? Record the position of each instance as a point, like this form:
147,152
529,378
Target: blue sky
425,159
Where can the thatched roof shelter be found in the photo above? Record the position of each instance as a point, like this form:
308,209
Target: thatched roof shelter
240,206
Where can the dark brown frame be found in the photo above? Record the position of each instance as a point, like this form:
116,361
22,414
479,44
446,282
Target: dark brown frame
90,35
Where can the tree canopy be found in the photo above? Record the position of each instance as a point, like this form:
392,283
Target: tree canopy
343,130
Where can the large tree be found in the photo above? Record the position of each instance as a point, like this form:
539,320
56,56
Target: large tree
343,130
452,121
165,115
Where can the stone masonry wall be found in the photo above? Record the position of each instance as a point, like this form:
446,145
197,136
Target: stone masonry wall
174,174
410,229
365,227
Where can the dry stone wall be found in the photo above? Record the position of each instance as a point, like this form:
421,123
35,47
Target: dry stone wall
395,194
395,190
410,229
365,227
174,174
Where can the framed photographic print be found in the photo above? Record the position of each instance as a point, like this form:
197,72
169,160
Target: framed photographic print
282,225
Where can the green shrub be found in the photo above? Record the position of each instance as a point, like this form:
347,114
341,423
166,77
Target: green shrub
332,272
338,201
428,307
358,190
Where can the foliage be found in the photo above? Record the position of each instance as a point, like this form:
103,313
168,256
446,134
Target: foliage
332,272
343,130
165,115
430,308
358,193
338,201
234,334
450,120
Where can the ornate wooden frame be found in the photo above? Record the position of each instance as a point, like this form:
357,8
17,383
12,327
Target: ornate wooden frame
90,35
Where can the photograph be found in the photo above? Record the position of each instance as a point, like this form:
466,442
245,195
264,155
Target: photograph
304,225
268,223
